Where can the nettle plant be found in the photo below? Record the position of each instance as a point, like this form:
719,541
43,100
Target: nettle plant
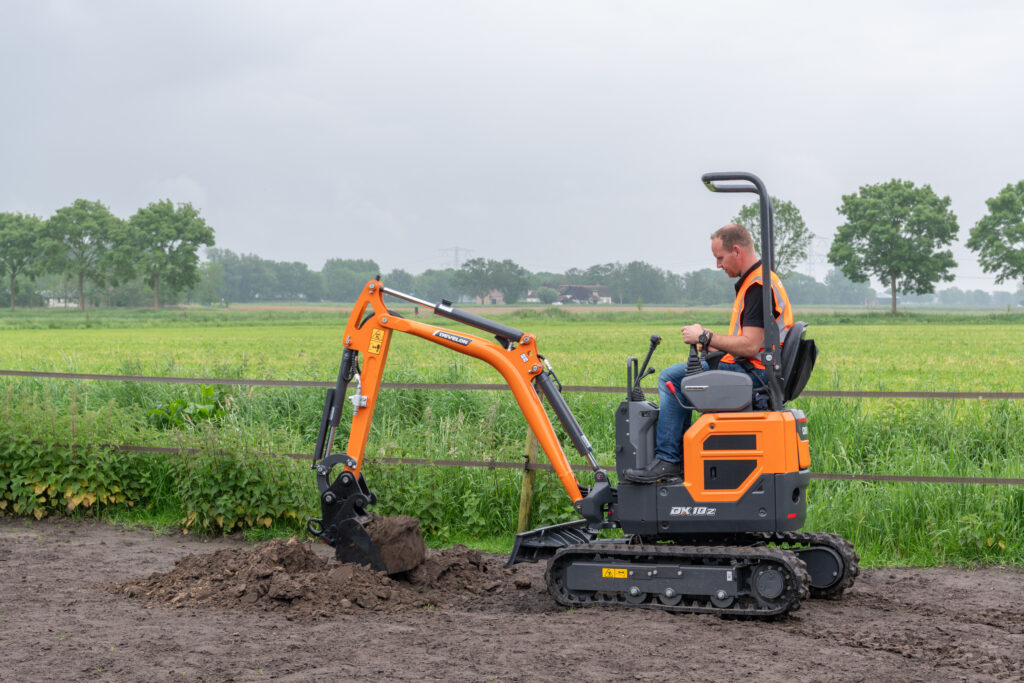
39,479
211,407
224,486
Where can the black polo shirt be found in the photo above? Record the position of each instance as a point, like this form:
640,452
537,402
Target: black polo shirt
753,303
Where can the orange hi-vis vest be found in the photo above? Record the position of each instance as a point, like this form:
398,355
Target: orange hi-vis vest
784,320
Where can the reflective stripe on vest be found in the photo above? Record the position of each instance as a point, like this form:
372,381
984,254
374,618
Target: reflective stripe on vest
784,320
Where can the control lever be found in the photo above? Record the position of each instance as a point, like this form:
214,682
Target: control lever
644,371
672,390
693,364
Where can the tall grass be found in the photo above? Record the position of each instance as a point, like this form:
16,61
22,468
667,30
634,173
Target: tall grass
890,523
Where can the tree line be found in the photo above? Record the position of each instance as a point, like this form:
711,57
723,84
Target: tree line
235,278
895,231
85,245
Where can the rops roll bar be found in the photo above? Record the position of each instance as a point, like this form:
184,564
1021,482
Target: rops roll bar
772,345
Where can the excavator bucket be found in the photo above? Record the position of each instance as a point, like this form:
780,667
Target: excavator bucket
398,542
352,543
388,544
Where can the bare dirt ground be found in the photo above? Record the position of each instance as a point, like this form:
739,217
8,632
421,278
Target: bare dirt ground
87,601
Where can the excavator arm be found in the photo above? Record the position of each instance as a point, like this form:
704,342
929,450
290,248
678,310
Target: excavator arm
367,337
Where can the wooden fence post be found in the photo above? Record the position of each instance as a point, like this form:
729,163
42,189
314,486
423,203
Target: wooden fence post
526,495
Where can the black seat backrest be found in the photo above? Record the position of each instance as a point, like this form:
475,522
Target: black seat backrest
798,357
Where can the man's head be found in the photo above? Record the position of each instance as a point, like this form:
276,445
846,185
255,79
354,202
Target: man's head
733,249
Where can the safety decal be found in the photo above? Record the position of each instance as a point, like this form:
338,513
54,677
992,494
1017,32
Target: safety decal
376,341
614,573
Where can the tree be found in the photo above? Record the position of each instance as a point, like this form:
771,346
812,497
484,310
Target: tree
296,281
344,279
400,280
246,277
435,285
998,237
19,250
641,280
611,275
895,231
312,285
510,278
169,237
547,295
805,290
477,277
706,287
975,298
843,290
791,234
80,241
474,278
546,279
209,288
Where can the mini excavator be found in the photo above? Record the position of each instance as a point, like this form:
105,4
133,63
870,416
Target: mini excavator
722,538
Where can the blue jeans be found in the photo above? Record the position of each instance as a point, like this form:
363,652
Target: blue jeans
674,419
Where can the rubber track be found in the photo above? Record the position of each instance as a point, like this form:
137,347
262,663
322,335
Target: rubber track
745,605
843,547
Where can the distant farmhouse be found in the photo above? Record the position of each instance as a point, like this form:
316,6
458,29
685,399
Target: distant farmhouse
584,294
494,297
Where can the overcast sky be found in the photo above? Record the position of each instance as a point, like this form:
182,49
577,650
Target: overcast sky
556,134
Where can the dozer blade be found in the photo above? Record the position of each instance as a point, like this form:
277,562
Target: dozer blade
543,543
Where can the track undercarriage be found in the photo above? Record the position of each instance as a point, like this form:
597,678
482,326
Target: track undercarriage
743,575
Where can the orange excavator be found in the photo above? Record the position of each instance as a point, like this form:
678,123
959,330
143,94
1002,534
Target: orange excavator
723,538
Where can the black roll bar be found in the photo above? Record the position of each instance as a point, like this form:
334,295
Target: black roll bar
771,356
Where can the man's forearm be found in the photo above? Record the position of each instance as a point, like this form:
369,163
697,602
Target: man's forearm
740,346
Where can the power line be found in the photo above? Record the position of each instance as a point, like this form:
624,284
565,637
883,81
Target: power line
456,251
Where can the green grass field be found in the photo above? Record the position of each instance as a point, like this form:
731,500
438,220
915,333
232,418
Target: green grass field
891,523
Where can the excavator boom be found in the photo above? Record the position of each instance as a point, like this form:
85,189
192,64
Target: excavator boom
367,338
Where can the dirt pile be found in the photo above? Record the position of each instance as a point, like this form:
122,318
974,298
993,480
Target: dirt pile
287,576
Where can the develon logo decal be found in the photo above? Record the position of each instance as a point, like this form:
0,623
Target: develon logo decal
452,337
692,511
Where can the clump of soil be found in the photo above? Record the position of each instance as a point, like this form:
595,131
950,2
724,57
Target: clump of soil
399,541
287,576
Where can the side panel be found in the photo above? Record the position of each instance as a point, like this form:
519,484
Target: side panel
637,507
775,502
726,453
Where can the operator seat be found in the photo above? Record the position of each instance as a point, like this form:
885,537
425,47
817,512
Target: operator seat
720,391
798,357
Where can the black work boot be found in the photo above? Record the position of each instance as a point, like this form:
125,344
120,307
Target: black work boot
655,470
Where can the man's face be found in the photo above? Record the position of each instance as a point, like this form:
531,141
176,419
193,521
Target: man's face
726,259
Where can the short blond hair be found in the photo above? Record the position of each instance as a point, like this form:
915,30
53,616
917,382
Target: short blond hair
732,235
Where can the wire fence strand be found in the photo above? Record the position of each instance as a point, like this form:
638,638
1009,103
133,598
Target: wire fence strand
571,388
505,464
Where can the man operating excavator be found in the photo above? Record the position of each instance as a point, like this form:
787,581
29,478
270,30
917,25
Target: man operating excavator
734,253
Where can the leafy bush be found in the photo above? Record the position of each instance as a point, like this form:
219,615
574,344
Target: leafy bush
212,406
39,478
223,488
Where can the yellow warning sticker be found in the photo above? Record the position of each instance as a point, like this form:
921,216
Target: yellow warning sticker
614,573
376,341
